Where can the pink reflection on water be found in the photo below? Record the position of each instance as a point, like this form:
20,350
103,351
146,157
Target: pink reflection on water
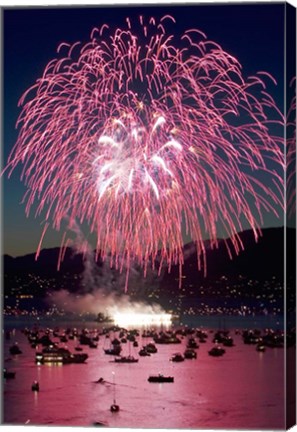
242,389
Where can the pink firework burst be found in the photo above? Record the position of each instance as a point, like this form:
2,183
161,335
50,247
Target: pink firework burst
291,155
144,135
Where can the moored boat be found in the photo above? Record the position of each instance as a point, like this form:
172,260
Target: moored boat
15,349
116,350
59,355
143,352
8,374
167,339
177,357
228,342
216,351
192,344
160,378
190,354
35,386
151,348
92,344
127,359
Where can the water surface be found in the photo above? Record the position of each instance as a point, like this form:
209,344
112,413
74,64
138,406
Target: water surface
242,389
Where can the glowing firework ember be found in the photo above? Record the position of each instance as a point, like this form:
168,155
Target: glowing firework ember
137,319
146,136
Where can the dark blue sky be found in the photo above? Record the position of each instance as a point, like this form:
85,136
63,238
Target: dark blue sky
253,33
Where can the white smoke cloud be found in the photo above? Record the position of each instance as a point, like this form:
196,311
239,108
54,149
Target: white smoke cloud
99,302
102,287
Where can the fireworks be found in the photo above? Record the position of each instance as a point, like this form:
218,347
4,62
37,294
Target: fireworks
291,155
130,319
146,135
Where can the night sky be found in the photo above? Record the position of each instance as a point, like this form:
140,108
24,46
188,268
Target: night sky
253,33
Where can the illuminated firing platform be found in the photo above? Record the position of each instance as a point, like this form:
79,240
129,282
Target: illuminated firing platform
137,319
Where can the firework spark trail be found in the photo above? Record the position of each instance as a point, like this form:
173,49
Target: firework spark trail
291,154
138,132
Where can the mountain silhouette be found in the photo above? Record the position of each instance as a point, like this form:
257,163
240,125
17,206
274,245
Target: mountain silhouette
261,259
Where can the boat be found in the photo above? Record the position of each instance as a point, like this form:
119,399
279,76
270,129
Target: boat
99,424
92,344
251,337
261,348
167,339
127,359
216,351
15,349
44,340
177,357
160,378
228,342
149,333
190,354
201,334
78,358
8,374
219,337
59,355
151,348
273,340
114,407
192,344
116,350
35,386
100,381
143,352
84,339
